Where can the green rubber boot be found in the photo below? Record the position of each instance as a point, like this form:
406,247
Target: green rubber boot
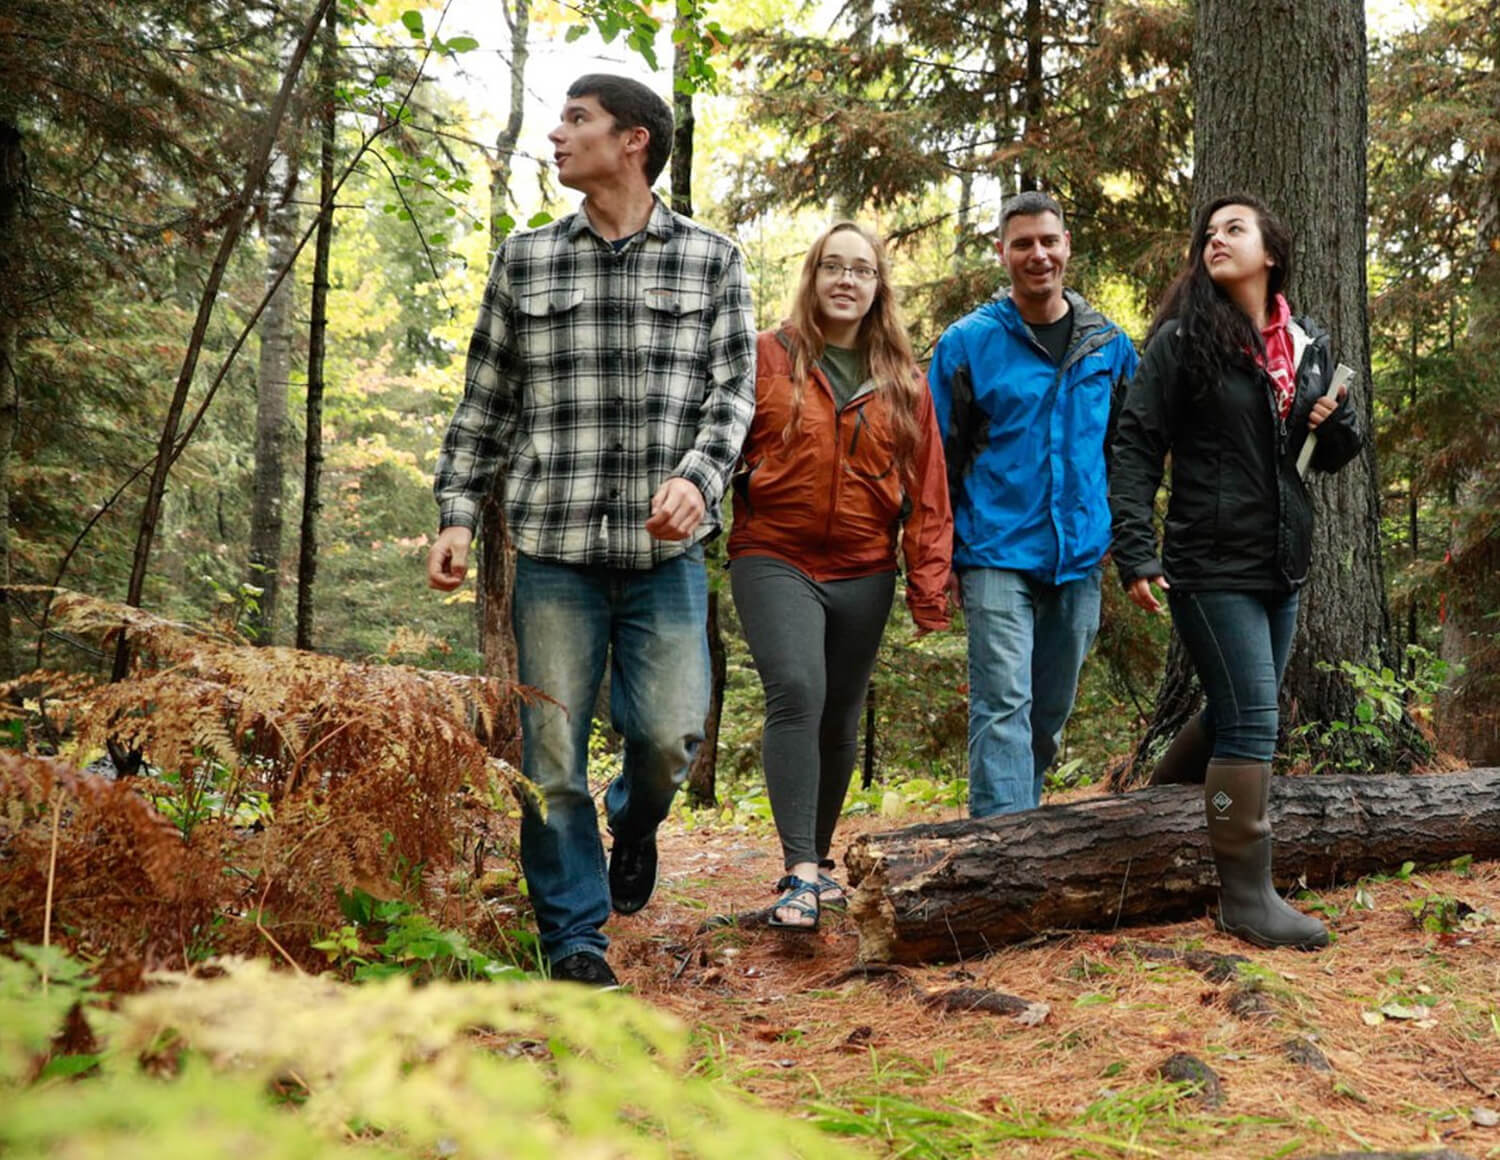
1235,797
1186,760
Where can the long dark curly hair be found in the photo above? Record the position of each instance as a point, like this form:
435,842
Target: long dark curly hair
1216,334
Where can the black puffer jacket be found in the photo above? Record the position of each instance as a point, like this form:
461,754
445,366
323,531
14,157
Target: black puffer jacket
1239,516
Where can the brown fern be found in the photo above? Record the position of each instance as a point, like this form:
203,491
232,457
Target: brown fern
287,776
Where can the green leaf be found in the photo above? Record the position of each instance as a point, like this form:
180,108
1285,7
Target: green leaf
66,1066
576,32
413,22
537,220
462,44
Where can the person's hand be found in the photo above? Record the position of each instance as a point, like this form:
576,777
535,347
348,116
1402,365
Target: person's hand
1141,595
955,589
1325,407
448,561
676,509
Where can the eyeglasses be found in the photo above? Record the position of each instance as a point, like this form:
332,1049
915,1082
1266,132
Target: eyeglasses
831,269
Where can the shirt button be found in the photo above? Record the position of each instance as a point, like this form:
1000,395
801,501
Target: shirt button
619,446
614,493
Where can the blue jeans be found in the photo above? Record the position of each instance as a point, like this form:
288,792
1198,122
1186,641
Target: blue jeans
651,623
1027,641
1239,642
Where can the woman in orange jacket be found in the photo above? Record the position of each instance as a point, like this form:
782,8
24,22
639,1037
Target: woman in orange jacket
844,461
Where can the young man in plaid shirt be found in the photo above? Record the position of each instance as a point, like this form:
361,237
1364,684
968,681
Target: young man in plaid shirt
611,374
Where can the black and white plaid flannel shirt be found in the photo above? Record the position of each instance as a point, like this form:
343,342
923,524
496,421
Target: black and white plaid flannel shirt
593,376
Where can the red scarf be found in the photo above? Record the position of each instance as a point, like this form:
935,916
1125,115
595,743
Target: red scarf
1277,361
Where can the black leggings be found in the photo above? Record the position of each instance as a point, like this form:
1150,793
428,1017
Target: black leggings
814,646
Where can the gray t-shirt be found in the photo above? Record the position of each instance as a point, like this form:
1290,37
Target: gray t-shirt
845,370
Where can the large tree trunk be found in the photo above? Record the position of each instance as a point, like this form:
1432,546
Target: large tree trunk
495,582
940,892
273,372
317,337
12,185
1280,103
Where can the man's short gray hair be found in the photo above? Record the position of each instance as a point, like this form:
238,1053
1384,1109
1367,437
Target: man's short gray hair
1027,204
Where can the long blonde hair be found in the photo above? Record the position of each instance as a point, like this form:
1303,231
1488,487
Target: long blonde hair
882,342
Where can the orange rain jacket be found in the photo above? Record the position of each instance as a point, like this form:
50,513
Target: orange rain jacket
830,500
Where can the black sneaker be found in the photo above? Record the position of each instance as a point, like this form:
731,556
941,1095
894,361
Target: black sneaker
584,967
632,873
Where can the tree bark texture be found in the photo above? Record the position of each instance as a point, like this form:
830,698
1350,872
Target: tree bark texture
495,582
12,187
517,15
273,371
496,585
703,774
682,135
1280,111
943,891
317,338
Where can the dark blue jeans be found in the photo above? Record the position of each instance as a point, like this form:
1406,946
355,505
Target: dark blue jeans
1239,642
651,625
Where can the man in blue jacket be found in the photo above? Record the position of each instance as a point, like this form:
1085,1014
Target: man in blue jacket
1025,387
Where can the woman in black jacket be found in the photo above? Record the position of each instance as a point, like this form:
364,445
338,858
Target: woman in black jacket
1232,387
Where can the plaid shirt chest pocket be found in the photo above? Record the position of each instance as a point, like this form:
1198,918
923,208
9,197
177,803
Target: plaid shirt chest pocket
547,334
673,334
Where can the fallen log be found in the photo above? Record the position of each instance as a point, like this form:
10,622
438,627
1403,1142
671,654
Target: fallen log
944,891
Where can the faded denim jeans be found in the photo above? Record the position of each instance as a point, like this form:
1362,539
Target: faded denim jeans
1239,642
650,624
1027,641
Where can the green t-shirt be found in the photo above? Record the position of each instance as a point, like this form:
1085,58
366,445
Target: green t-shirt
845,370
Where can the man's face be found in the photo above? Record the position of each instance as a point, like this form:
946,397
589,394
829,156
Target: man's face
587,148
1035,250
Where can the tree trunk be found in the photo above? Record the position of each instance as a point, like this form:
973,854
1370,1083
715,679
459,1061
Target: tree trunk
1032,94
1279,98
271,377
940,892
317,337
682,136
12,188
495,583
703,774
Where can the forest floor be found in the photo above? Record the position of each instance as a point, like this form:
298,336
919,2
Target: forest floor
1388,1040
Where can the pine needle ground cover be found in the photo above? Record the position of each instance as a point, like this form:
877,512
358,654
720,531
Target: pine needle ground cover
1388,1040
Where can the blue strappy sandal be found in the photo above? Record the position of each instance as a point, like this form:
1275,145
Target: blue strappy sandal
796,899
829,885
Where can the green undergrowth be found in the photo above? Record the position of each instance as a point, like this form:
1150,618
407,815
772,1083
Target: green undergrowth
256,1062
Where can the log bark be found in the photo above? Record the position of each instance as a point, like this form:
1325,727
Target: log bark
944,891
